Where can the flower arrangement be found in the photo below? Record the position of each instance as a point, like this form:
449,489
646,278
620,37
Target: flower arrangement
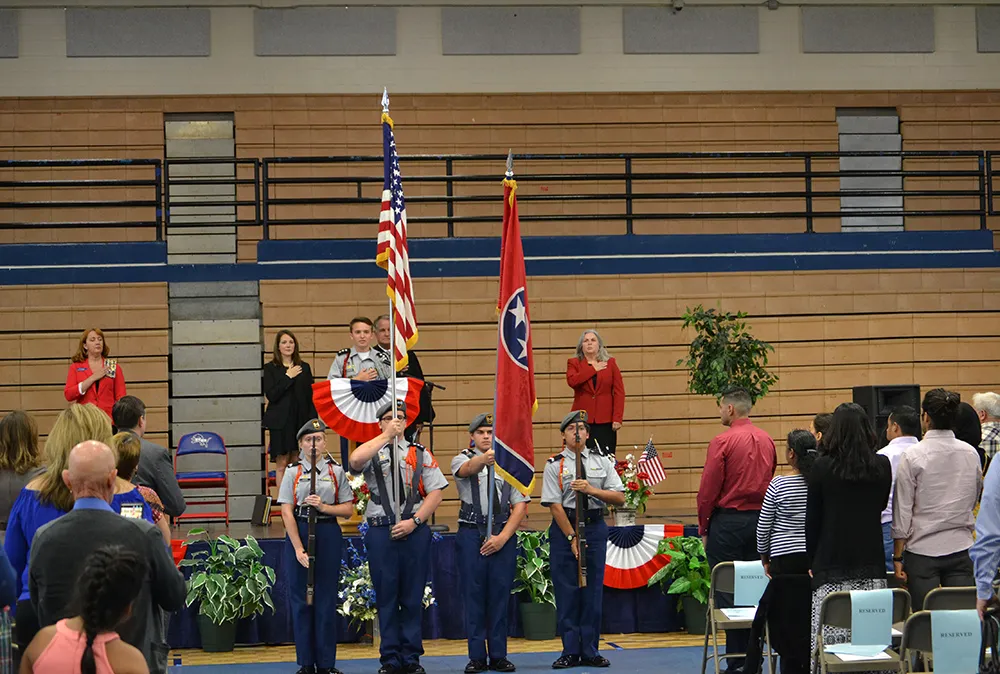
361,493
357,593
637,493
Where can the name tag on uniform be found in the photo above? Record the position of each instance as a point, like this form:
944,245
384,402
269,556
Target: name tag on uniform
133,511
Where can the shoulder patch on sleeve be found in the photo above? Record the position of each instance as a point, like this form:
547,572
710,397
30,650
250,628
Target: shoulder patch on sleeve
329,457
344,352
294,464
553,459
383,356
469,453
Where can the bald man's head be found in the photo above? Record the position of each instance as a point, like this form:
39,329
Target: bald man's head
91,471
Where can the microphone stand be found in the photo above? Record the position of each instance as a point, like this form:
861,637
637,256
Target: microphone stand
430,386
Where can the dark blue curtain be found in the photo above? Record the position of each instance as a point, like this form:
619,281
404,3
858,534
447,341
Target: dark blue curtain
625,611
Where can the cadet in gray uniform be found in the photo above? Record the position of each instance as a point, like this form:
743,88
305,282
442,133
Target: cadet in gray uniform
315,626
399,551
361,361
487,562
578,610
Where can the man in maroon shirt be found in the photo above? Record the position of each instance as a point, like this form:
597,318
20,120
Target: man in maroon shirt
739,466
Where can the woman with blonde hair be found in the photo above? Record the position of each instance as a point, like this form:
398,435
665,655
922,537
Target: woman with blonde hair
47,497
19,461
598,389
93,377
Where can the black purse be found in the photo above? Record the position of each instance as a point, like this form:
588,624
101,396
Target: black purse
991,644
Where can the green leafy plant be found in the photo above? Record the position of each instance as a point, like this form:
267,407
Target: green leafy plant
724,354
229,579
534,575
687,573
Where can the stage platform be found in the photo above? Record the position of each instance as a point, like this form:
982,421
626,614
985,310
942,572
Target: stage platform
625,611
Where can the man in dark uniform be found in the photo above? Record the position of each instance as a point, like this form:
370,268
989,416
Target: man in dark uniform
487,562
578,610
398,548
315,626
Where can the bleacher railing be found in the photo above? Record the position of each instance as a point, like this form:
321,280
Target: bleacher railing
81,194
459,195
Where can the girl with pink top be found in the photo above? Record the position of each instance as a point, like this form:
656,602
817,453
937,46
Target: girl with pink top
87,643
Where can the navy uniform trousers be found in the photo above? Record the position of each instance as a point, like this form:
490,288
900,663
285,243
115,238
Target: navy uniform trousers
399,574
487,582
315,626
578,610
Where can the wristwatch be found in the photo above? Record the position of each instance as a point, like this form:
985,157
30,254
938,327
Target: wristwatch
897,559
417,520
570,537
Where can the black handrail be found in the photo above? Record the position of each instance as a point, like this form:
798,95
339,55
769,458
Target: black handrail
95,207
972,165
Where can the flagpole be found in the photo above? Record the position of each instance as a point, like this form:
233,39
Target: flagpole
393,461
491,471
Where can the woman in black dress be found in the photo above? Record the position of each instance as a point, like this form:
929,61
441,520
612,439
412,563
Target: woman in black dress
288,388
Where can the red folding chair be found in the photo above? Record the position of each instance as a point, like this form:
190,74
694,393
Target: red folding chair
204,443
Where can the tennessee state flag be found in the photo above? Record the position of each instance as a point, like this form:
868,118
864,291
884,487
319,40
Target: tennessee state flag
515,385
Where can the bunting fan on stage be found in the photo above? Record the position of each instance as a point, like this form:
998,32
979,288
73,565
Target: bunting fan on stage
349,406
631,554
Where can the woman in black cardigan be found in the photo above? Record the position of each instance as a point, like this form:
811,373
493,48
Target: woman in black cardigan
848,490
288,388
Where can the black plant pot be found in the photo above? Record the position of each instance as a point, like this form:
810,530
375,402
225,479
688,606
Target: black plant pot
538,621
216,638
695,615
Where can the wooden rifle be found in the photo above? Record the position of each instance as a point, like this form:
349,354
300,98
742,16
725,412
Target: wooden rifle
581,518
311,544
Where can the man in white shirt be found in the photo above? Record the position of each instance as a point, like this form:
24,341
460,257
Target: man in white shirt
987,406
361,361
902,431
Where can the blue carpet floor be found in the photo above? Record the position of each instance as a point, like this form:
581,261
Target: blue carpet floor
672,660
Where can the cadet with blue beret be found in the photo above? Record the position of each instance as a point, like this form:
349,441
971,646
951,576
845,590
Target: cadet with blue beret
487,560
578,610
398,551
315,626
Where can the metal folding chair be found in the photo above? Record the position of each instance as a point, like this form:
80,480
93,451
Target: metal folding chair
835,611
204,443
724,580
950,599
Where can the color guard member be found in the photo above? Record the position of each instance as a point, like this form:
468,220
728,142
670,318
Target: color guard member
487,564
315,626
399,551
578,610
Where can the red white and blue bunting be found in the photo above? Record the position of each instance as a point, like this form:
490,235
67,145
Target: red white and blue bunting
349,406
631,555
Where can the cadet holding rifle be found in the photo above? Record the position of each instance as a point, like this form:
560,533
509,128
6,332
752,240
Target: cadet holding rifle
315,484
578,609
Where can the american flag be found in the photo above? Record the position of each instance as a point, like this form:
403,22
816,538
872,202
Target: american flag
392,253
649,463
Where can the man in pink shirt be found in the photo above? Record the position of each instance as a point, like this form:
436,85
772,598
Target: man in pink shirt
739,466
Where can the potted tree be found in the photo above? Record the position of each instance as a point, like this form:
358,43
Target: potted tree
724,354
688,576
229,581
533,581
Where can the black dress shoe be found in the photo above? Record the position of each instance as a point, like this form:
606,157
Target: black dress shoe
386,669
503,665
596,661
328,670
566,661
306,669
476,666
415,668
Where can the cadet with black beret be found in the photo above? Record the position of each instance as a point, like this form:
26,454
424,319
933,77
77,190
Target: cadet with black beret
315,626
398,551
578,610
487,560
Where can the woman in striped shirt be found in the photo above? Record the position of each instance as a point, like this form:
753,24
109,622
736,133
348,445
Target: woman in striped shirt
781,528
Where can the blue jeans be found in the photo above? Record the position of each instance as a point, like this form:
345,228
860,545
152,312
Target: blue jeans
887,544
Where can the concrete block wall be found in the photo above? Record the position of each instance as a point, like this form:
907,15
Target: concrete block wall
215,350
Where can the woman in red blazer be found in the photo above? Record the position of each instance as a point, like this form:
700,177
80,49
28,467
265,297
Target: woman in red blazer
93,377
597,388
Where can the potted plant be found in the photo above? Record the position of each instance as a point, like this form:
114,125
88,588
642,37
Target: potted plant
533,581
637,493
230,582
724,354
688,576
